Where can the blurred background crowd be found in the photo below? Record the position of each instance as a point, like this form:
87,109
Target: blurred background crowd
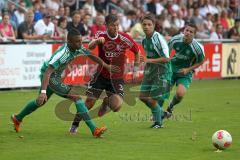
52,19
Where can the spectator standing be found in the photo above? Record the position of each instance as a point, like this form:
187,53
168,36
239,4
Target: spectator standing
20,13
37,13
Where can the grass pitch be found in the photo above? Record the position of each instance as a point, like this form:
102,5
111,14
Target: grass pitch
208,106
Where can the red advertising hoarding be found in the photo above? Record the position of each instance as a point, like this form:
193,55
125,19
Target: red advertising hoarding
81,69
211,68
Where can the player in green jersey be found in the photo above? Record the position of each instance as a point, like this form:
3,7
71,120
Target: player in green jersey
189,56
157,72
51,82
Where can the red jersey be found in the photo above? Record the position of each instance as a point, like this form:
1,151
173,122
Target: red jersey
113,52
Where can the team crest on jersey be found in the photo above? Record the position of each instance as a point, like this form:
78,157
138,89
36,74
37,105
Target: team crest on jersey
64,58
183,57
188,52
151,47
112,49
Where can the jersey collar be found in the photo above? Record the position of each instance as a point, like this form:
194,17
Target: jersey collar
113,37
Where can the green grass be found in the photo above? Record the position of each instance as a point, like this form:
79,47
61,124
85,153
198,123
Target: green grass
213,105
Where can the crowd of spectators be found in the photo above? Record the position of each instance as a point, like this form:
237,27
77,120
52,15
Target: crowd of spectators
52,19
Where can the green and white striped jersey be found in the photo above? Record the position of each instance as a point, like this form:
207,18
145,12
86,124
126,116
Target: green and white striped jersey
186,54
156,47
60,59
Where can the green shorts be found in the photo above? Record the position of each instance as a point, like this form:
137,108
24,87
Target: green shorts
58,87
156,88
181,79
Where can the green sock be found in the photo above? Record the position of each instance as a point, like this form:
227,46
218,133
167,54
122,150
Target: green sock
29,108
174,101
157,113
160,102
82,109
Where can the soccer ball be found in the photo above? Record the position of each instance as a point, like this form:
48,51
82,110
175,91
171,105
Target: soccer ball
222,139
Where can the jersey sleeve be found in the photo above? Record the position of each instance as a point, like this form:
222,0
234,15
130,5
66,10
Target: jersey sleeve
55,61
201,54
161,45
198,51
85,51
173,41
58,57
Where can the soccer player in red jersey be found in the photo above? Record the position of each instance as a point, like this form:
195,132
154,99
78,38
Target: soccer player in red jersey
112,46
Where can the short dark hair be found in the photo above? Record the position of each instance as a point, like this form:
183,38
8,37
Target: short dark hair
131,13
111,18
191,25
47,15
74,12
150,17
73,32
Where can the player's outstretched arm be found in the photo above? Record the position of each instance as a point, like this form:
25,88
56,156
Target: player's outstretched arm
137,59
43,97
189,69
93,44
158,60
110,68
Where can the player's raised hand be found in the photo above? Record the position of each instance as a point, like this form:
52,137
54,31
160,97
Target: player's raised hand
42,98
114,69
100,40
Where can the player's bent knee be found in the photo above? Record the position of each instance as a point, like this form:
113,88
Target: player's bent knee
116,109
115,102
181,92
180,95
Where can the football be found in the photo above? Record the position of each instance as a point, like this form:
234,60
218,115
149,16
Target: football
222,139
